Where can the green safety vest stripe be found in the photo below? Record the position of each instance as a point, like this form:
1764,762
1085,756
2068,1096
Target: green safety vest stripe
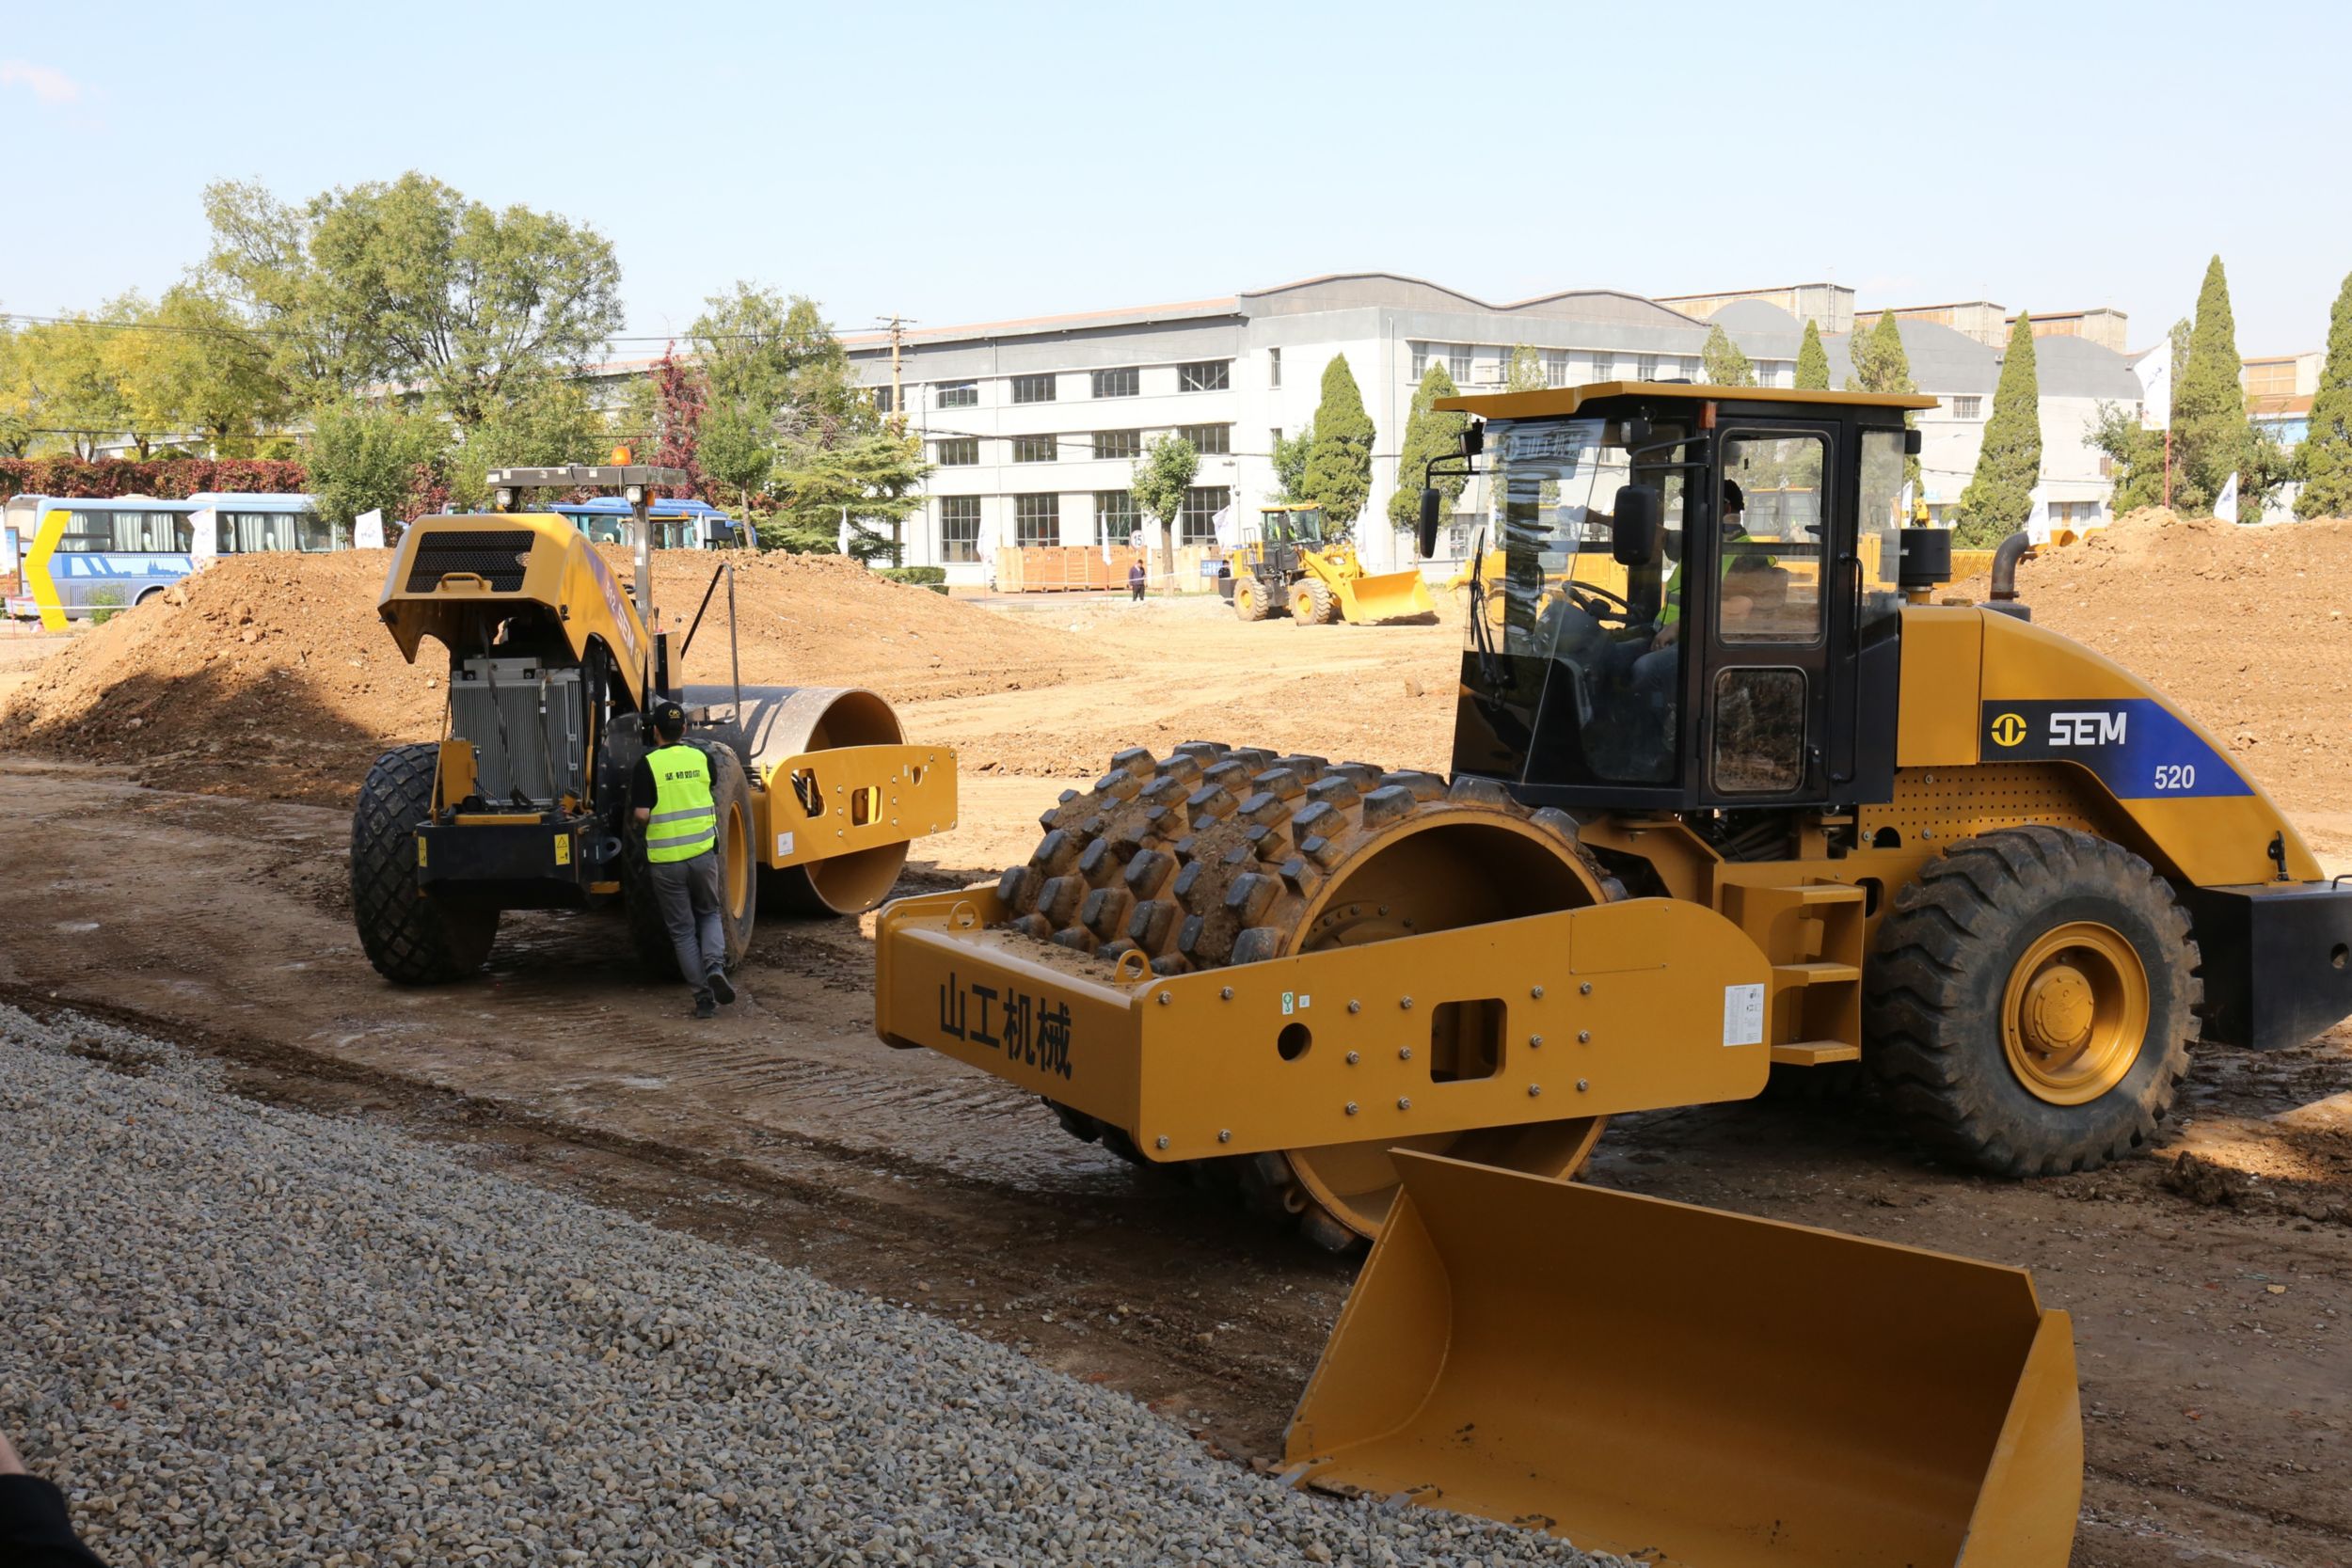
685,821
1673,611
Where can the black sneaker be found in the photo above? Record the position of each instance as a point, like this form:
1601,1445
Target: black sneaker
704,1005
719,986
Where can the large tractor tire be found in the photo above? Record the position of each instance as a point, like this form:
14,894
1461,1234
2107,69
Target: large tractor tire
1311,604
1251,602
2031,1000
739,896
1216,856
410,939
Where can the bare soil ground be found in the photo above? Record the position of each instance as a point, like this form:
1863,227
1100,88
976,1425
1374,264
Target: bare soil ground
201,891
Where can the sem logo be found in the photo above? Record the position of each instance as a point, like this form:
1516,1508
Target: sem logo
2087,729
2009,729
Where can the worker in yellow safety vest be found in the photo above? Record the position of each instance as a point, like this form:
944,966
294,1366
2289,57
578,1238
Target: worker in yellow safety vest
670,797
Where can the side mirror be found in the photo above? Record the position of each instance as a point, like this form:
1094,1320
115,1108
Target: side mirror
1428,521
1639,529
1911,443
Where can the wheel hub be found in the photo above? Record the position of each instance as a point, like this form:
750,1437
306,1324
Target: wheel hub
2076,1013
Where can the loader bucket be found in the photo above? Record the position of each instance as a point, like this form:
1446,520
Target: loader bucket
1385,597
1687,1387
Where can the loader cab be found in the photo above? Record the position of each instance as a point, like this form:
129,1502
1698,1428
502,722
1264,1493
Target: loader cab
1656,639
1284,533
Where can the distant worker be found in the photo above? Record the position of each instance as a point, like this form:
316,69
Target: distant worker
1134,582
670,797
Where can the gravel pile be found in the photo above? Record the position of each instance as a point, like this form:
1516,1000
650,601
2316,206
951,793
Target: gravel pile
237,1335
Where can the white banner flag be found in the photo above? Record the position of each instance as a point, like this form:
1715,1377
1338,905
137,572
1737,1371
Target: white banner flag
2225,505
205,537
367,531
2038,519
1902,507
2155,386
1228,527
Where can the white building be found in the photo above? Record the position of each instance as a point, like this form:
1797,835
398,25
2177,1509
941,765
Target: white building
1034,423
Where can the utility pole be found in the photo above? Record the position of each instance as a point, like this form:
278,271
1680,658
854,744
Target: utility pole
897,326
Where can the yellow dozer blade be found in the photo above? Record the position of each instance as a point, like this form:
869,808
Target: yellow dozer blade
1386,597
1694,1387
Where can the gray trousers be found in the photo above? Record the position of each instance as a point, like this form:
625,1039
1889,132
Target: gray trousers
688,894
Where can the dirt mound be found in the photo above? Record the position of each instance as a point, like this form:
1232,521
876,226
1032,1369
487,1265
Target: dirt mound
2249,629
271,677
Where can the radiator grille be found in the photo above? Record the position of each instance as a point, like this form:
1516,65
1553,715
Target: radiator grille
536,749
495,555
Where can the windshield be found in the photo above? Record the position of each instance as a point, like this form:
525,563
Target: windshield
1573,673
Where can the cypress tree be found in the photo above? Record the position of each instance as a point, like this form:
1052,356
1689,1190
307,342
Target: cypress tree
1339,470
2327,457
2000,496
1812,360
1428,432
2211,437
1726,366
1880,365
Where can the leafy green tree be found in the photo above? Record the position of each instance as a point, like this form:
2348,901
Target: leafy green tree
546,424
1162,475
2000,497
18,393
1290,463
1724,364
372,458
737,448
1812,360
1431,433
872,478
2134,457
206,373
80,367
1880,365
1339,469
2327,457
410,282
761,353
1525,373
2211,438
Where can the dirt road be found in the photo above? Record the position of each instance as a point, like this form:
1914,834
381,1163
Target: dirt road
2214,1314
2212,1296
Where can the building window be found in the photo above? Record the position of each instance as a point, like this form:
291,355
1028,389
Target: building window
1966,408
1555,367
1195,522
1274,440
1117,384
885,400
1037,520
959,394
1034,449
1274,367
1115,518
1691,366
1206,375
1032,388
1645,367
962,452
1209,440
1119,443
960,528
1457,362
1604,367
2267,378
1421,361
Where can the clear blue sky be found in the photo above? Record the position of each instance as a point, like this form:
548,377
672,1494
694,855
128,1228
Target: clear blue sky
962,162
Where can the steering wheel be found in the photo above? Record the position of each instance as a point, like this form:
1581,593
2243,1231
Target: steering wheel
1604,605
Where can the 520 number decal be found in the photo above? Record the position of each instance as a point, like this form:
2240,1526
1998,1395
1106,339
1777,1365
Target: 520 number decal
2172,776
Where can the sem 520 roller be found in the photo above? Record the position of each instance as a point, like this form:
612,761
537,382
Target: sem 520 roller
523,803
1722,804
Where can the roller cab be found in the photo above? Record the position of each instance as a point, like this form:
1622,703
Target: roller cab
1691,1387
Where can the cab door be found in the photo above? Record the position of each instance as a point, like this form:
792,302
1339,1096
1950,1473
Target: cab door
1779,602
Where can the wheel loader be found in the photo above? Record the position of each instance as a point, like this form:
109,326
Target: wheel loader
523,802
1286,567
1723,804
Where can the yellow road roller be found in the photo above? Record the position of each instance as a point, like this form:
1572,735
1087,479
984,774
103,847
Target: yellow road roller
522,803
1725,801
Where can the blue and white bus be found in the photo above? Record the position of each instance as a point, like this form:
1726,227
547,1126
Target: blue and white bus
677,525
82,554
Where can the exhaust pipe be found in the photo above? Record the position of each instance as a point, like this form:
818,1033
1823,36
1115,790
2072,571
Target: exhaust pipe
2005,558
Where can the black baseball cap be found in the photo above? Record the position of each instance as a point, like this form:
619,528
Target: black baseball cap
667,715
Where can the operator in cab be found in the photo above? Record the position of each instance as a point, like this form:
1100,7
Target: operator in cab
1753,585
669,795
